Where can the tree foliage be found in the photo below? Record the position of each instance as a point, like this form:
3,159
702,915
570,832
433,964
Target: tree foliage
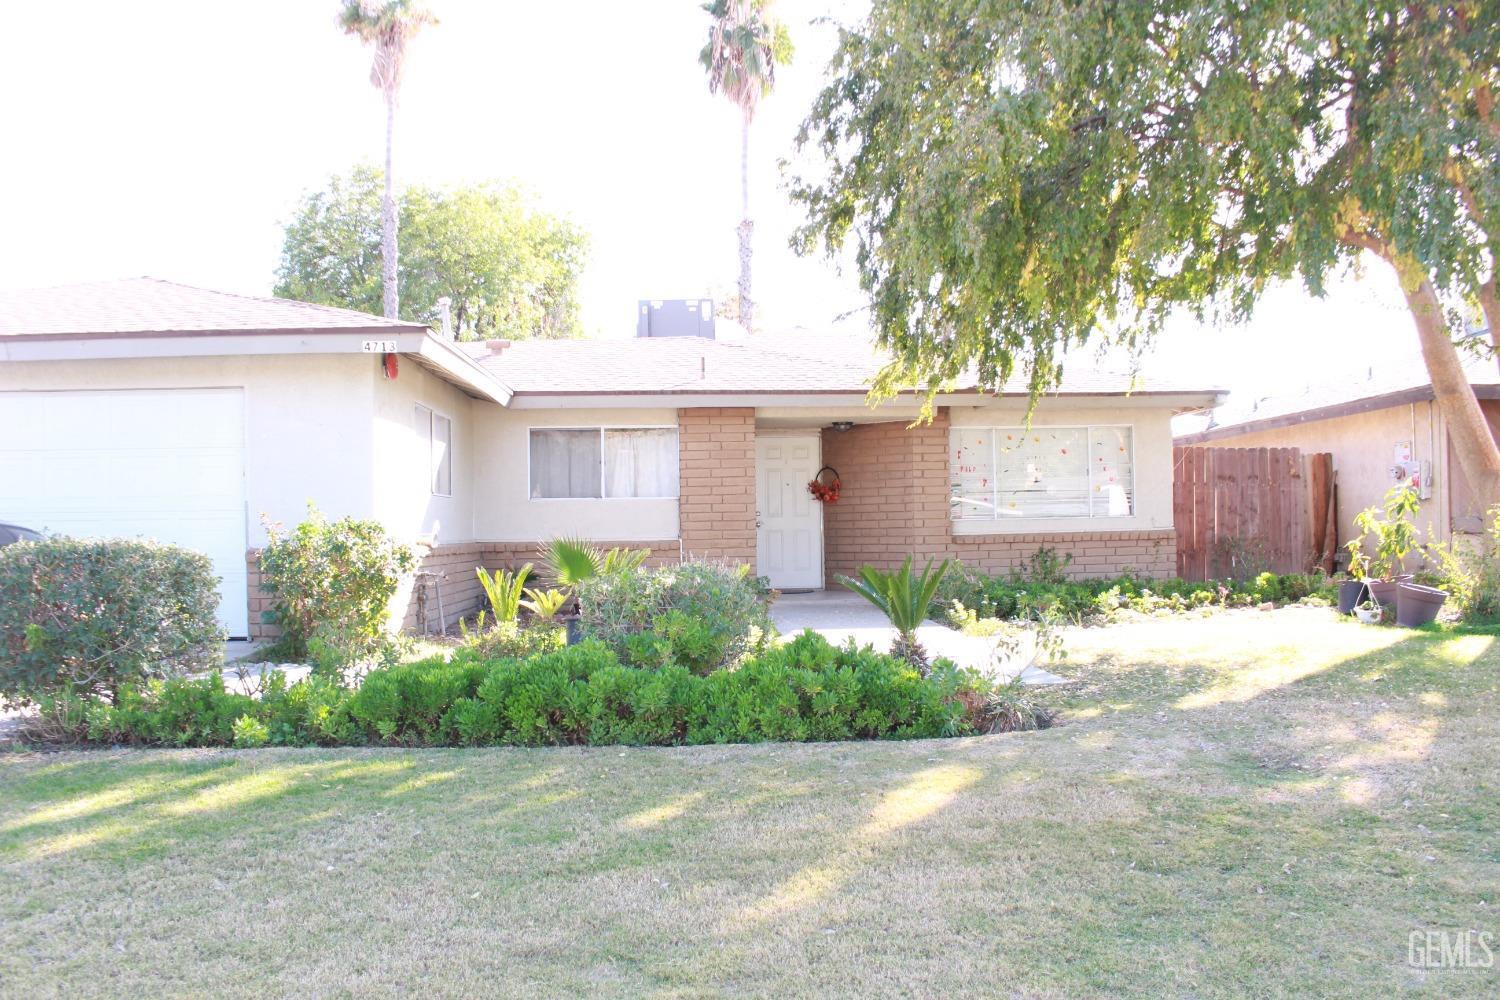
1019,176
511,270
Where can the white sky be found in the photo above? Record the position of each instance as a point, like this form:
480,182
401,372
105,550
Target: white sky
174,137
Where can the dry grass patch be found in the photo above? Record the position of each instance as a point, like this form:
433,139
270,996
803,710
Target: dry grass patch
1261,803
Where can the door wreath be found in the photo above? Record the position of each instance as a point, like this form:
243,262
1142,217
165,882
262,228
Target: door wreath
826,485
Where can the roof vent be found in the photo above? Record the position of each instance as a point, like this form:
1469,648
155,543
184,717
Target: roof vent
675,318
445,316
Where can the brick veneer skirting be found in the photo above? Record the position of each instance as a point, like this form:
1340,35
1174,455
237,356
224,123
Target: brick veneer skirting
454,565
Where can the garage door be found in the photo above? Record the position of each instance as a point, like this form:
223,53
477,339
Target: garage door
161,464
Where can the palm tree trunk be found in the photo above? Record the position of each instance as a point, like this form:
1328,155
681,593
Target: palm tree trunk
746,228
390,290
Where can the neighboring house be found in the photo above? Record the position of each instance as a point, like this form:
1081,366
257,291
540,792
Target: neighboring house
1382,430
146,407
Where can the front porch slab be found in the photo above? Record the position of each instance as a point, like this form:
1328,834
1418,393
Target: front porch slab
839,615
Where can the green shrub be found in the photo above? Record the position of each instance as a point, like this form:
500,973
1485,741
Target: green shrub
405,704
90,617
178,712
511,639
1078,601
700,615
1470,572
331,585
581,694
250,732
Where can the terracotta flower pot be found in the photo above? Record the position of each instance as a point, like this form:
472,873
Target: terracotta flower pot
1352,593
1417,605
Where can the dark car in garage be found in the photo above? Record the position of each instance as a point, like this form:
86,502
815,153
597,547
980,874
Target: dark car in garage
15,533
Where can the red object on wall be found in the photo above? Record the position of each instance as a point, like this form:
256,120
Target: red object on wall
392,366
826,489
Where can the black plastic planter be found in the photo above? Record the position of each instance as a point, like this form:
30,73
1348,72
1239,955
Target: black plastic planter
1418,605
1352,593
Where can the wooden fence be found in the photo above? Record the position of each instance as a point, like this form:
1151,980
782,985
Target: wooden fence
1242,511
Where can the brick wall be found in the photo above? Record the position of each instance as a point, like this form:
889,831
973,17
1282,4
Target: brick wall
895,503
454,564
717,471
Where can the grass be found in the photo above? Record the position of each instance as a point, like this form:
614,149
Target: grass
1260,803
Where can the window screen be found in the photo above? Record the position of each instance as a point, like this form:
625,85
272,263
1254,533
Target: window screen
565,463
1003,473
609,462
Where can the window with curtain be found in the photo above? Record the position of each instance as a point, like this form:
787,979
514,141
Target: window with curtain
434,448
603,462
1002,473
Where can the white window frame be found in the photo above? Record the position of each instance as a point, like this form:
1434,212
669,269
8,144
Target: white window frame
602,428
433,414
995,431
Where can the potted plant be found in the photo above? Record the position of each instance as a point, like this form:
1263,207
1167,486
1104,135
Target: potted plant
1353,591
1394,538
1368,612
1417,604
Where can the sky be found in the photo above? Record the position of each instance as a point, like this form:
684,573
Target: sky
175,137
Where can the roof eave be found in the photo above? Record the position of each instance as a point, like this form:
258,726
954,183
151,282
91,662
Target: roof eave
1348,408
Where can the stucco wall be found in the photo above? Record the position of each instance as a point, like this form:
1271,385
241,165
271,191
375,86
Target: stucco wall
308,434
403,497
1363,449
503,508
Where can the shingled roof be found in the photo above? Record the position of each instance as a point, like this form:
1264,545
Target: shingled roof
756,365
151,305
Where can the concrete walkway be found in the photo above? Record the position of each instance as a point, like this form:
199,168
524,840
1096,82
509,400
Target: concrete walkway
839,615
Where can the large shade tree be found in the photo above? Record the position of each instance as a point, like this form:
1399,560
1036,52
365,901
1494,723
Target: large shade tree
387,26
1019,176
745,45
509,269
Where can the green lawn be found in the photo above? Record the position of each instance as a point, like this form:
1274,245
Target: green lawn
1247,803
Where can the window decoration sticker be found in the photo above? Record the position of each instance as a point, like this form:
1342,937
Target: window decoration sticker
1008,473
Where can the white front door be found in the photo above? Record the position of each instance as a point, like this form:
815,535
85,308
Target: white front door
789,540
164,464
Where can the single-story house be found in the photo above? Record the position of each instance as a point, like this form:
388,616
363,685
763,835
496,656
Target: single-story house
147,407
1381,430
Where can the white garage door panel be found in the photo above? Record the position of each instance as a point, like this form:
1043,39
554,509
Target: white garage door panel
161,464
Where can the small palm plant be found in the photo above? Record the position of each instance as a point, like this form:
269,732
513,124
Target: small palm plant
504,591
905,597
545,604
571,561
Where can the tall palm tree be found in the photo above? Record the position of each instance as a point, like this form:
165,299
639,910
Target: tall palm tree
387,25
745,45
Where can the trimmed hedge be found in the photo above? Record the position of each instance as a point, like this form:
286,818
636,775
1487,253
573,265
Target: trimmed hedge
88,617
804,690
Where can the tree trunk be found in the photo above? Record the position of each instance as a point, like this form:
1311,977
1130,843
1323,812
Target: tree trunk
746,228
1473,444
390,289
